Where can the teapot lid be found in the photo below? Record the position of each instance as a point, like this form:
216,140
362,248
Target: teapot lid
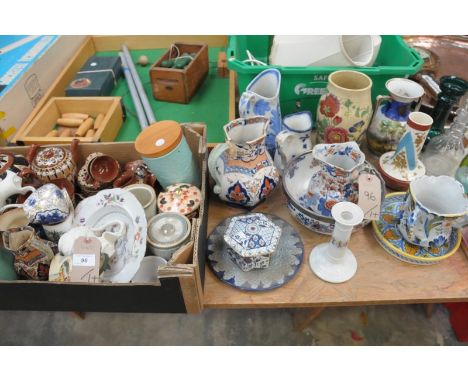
159,139
50,156
180,197
168,229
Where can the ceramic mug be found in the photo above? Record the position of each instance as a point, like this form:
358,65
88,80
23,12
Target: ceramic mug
148,271
146,195
432,206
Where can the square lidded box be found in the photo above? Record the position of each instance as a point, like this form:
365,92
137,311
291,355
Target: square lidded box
252,240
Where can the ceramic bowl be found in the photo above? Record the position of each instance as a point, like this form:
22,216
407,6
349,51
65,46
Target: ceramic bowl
296,180
183,198
104,169
167,232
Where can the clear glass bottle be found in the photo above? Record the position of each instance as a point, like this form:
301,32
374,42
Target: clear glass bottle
445,152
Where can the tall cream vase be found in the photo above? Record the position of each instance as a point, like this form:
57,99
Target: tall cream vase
344,113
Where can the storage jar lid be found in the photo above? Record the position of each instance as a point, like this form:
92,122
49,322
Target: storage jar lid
168,229
180,197
158,139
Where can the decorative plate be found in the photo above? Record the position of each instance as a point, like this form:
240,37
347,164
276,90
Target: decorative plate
117,205
284,263
389,237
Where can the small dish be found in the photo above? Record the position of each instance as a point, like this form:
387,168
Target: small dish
389,237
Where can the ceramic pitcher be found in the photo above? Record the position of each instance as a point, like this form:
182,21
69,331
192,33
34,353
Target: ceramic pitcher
295,139
261,97
340,166
389,120
242,167
431,208
344,113
11,185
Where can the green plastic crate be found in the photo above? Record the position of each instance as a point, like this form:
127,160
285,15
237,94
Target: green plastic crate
301,86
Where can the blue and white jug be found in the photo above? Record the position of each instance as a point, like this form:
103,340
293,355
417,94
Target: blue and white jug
261,97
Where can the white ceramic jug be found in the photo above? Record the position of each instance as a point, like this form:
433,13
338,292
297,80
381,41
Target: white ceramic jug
11,185
295,139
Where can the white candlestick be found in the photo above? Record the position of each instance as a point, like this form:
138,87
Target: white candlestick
333,261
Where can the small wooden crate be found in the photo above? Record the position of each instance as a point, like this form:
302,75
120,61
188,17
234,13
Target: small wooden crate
179,85
45,120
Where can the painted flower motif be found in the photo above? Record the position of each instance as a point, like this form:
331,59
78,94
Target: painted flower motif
438,241
337,120
261,107
329,106
238,194
335,135
325,206
268,185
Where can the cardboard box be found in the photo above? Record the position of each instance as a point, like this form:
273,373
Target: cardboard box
19,100
180,287
45,121
97,77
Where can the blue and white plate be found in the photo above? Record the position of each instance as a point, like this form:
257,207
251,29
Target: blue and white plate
389,237
284,263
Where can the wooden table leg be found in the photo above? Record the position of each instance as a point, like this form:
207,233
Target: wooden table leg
302,318
429,309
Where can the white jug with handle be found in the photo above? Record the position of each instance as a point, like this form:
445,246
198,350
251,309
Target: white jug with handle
11,185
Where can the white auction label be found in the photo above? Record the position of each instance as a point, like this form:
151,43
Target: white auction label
84,260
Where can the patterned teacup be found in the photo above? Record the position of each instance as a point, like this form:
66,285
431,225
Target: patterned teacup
433,204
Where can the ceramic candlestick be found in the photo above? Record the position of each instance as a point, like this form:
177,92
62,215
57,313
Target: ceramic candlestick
333,261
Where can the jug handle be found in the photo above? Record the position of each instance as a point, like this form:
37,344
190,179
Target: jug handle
283,138
32,152
250,97
9,207
74,150
380,99
123,179
212,160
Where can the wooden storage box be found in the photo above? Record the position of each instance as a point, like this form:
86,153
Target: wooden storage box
180,284
179,85
46,119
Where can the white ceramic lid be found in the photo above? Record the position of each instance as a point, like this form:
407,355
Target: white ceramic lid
168,229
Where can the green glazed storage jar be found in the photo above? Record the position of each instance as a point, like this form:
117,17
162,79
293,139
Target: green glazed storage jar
165,151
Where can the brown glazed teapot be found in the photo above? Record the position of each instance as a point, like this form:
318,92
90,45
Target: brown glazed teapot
54,162
135,172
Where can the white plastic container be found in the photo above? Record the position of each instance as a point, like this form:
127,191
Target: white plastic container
346,50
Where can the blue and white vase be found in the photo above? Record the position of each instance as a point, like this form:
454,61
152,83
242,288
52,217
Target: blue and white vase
391,113
242,167
261,97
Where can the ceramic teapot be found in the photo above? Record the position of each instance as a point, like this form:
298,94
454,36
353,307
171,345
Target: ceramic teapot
54,162
135,172
242,167
13,162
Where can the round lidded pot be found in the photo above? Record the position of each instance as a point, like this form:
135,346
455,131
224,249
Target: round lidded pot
165,151
183,198
167,232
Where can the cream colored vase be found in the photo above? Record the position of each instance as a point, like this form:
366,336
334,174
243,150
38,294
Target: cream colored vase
344,113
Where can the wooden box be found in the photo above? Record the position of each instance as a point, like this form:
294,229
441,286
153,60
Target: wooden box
179,85
179,289
46,119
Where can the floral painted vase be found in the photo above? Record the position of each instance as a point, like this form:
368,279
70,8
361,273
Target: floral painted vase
389,121
295,139
261,97
344,113
242,167
337,180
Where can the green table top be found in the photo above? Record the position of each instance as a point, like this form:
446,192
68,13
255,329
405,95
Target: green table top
210,104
